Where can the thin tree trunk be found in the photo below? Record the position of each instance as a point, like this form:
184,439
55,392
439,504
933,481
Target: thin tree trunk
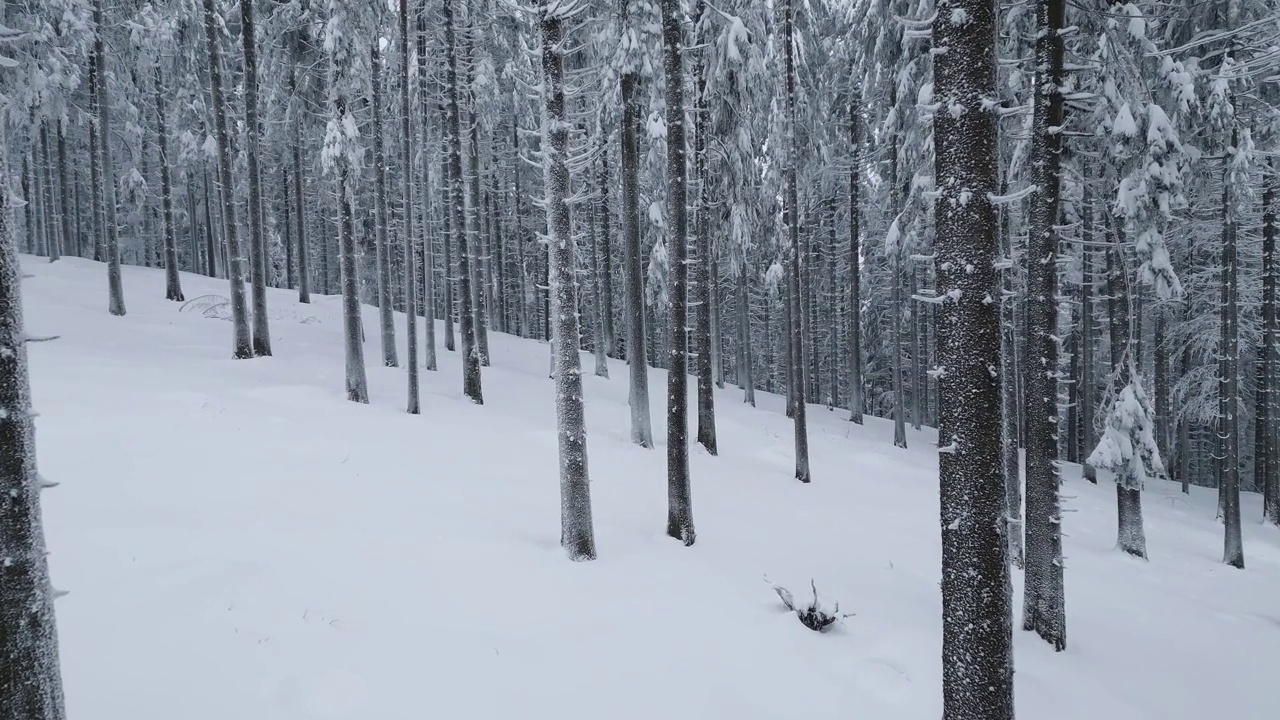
428,250
977,643
856,400
173,286
700,281
606,255
242,344
69,242
1228,382
107,187
679,503
795,331
386,320
406,198
304,272
1271,346
212,251
466,311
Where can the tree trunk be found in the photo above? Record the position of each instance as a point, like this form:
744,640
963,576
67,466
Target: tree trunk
793,218
406,198
242,345
606,255
386,320
257,234
1043,609
637,355
304,273
977,661
173,286
576,535
856,400
1009,373
1271,346
679,503
428,250
29,675
700,283
1229,382
1088,335
69,238
466,311
107,186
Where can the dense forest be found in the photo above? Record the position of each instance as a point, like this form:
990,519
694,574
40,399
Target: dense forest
1045,228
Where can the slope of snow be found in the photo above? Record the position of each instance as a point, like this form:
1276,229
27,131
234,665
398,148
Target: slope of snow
240,541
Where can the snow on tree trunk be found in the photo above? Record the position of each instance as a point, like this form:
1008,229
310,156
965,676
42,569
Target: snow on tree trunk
457,209
637,354
428,254
597,289
1270,349
1043,608
1229,375
173,286
343,156
1009,373
576,535
295,139
700,281
606,251
893,246
106,192
794,304
257,234
30,679
679,503
242,344
855,261
977,661
69,236
386,321
406,198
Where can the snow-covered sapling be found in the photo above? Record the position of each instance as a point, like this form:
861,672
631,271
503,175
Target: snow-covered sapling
813,616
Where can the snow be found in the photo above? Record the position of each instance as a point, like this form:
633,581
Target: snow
241,541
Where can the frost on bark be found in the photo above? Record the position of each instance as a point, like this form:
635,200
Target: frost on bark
855,268
476,262
30,679
1009,395
386,321
637,355
576,535
793,238
406,199
257,234
1229,377
1270,347
106,192
457,211
1043,608
977,659
428,255
342,156
700,282
242,345
295,140
173,286
679,503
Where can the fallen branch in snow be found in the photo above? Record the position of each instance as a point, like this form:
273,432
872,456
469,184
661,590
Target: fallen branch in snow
813,616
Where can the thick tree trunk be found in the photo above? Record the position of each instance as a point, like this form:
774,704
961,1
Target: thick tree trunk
466,311
173,286
386,320
637,355
679,503
257,233
30,678
242,345
107,181
1043,605
977,659
576,535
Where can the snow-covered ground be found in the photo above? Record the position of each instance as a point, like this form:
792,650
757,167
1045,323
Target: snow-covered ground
239,541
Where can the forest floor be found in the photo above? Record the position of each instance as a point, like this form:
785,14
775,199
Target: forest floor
239,541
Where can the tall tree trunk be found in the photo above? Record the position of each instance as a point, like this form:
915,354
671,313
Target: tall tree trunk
856,400
386,320
242,345
257,234
597,287
1130,533
526,329
637,355
576,535
406,198
1043,605
466,312
475,239
793,230
700,282
69,238
1009,373
29,674
1088,333
428,250
211,249
1229,381
173,286
679,503
606,245
107,186
304,272
895,274
1270,347
52,223
977,658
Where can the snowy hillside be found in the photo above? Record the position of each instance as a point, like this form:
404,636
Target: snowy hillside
239,541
